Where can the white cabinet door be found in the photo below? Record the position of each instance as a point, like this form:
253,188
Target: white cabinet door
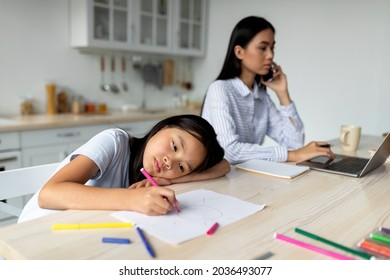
190,27
101,24
44,155
153,21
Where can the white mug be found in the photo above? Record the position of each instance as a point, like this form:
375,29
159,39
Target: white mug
350,137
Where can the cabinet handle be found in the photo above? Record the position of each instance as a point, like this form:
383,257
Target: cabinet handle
68,134
8,159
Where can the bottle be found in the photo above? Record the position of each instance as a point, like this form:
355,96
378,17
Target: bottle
51,98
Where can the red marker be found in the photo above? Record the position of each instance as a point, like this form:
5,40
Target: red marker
212,229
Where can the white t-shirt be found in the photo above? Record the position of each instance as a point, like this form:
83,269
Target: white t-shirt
110,150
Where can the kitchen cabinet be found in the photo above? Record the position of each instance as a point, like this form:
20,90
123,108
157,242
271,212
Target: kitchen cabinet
53,145
10,157
176,27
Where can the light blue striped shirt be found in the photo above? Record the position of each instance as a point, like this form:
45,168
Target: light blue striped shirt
242,120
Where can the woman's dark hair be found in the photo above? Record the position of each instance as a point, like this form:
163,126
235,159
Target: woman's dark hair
195,125
242,34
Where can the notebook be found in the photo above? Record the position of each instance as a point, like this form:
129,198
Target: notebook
351,166
276,169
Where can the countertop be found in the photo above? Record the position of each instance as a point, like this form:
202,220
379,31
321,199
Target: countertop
43,121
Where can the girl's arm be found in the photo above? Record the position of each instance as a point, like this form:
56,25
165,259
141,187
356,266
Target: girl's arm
66,190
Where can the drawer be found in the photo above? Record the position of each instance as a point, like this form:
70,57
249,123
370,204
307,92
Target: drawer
59,136
9,141
137,129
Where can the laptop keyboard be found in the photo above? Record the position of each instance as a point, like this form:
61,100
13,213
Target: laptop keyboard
349,165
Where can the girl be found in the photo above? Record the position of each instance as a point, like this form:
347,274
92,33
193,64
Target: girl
240,109
97,175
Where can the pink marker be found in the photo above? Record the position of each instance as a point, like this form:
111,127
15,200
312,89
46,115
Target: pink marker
212,229
154,183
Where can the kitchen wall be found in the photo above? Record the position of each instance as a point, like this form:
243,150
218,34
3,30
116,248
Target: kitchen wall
333,52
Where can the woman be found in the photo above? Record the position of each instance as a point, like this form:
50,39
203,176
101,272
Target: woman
240,109
97,175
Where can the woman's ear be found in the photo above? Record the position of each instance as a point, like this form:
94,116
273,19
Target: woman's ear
238,51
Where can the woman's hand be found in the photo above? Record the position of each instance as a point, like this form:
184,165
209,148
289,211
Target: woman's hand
279,85
311,150
152,201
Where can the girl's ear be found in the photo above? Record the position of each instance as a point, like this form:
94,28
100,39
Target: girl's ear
238,51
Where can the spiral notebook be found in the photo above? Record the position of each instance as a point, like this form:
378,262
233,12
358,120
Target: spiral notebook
272,168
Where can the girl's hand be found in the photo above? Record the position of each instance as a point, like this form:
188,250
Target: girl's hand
152,201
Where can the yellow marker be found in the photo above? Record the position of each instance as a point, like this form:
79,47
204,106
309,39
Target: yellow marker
91,226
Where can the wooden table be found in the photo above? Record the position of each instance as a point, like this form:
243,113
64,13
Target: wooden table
340,208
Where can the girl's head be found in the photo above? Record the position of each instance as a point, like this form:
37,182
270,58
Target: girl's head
244,35
177,146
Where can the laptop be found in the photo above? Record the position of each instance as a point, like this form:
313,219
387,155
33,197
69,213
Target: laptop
351,166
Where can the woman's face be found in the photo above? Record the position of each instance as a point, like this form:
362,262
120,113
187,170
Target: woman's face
257,56
172,153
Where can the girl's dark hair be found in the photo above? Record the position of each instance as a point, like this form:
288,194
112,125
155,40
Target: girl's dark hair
242,34
195,125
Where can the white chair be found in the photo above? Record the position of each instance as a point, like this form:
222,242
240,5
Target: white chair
22,182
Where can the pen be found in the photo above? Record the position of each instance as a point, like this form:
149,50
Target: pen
116,240
91,226
326,145
154,183
334,244
212,229
145,242
312,247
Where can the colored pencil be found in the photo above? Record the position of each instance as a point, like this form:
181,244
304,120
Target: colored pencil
334,244
380,237
375,248
91,226
312,247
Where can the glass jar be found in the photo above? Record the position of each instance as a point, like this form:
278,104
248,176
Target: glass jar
26,106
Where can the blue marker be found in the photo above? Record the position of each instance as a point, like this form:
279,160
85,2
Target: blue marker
146,243
116,240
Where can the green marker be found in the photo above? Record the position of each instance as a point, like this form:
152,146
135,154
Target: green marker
331,243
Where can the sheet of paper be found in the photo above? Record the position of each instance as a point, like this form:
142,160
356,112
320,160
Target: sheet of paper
199,210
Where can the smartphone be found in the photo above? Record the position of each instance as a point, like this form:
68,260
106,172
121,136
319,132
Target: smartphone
268,77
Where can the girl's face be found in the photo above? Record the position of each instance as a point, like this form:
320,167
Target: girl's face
172,153
257,56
